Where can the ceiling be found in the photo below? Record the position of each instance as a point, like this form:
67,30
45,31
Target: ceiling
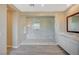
41,7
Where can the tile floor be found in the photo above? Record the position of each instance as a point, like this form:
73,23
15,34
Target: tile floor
38,50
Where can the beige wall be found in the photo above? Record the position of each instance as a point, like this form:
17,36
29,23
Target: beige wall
18,28
59,22
21,25
9,26
3,29
72,10
16,16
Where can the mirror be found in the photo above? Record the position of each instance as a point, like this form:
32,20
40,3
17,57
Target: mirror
73,23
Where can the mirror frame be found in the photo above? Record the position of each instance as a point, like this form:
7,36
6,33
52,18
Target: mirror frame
67,18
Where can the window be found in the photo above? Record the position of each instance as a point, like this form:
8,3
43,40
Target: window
36,26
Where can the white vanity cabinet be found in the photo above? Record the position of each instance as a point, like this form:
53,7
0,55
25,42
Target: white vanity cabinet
69,43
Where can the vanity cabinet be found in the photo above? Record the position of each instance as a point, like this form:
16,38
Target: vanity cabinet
69,43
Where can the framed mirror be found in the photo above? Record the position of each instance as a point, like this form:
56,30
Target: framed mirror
73,23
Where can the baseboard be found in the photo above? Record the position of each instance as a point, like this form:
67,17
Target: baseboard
39,44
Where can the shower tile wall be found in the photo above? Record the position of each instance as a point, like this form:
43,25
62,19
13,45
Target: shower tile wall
44,33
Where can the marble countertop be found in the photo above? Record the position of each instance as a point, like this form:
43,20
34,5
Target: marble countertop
74,37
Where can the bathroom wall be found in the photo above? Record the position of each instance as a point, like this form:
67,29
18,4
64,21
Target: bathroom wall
3,29
21,28
18,29
15,40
